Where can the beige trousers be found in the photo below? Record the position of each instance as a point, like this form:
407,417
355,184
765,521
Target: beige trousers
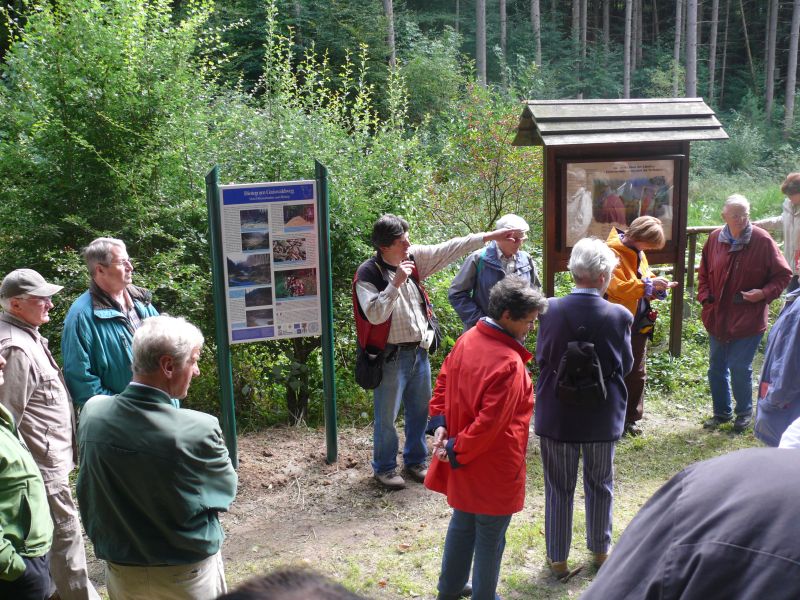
204,580
67,555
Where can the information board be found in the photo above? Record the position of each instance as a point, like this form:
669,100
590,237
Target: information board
270,246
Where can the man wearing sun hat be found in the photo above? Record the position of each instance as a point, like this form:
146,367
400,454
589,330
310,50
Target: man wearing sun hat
469,290
36,396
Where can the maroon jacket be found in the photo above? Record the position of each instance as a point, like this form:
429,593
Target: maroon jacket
759,265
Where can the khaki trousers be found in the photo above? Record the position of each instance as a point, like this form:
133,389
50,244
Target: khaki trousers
68,554
204,580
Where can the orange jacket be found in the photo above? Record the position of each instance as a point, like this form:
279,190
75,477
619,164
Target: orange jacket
627,285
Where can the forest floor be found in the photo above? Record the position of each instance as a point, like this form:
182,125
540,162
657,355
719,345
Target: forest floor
294,509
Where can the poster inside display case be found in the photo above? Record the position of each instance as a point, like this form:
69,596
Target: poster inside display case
597,196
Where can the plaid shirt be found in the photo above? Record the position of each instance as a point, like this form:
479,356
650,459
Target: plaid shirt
405,305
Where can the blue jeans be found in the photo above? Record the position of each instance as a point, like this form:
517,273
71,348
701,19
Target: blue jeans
732,362
477,541
407,380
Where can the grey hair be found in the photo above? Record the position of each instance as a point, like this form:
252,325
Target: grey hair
511,221
164,336
738,200
5,303
515,295
590,259
98,252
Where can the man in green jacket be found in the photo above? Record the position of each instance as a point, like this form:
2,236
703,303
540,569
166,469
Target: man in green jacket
99,327
153,477
25,524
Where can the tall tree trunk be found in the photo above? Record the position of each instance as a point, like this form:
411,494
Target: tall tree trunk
712,49
584,10
724,52
388,8
606,24
626,79
791,73
480,40
458,14
656,24
298,32
536,23
639,31
691,48
634,23
769,87
503,32
747,43
503,26
576,22
676,51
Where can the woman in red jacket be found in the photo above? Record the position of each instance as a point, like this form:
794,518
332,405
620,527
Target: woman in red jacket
479,415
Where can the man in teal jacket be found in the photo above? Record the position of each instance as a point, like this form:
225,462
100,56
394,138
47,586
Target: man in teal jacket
26,529
153,477
98,331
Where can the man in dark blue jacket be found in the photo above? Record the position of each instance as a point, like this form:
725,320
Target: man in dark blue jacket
569,429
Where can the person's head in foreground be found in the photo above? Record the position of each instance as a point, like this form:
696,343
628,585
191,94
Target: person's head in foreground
291,584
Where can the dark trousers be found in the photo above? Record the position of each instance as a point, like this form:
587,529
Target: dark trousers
34,583
634,381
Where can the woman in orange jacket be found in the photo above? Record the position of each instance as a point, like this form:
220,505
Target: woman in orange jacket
634,285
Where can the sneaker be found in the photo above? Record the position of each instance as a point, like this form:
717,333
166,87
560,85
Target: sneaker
715,422
391,480
741,423
416,472
632,429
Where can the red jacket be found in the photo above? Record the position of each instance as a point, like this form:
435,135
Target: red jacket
485,395
759,265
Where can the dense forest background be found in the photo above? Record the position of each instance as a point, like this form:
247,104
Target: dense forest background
114,111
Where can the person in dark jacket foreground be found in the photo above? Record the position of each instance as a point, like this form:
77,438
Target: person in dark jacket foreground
722,528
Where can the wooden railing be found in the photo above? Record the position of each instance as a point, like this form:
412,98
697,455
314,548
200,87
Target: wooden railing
691,246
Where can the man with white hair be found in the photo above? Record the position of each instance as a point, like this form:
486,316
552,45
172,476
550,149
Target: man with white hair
575,426
469,291
742,270
98,331
153,477
35,395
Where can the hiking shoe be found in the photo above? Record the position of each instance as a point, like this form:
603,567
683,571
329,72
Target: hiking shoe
741,423
416,472
632,429
391,480
715,422
562,571
598,558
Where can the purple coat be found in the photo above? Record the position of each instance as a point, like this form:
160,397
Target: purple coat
609,327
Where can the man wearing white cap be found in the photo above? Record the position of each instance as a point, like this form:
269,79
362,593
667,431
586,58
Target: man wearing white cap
469,291
35,395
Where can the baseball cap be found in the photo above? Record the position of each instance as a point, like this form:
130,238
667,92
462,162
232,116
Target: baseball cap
26,281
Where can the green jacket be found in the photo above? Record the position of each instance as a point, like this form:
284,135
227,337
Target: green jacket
97,343
152,479
25,524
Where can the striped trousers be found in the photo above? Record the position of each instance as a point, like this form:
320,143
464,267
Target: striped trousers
560,462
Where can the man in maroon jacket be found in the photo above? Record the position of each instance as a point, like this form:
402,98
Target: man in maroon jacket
741,272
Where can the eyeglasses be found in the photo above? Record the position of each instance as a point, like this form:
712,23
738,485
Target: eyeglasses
121,262
39,299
